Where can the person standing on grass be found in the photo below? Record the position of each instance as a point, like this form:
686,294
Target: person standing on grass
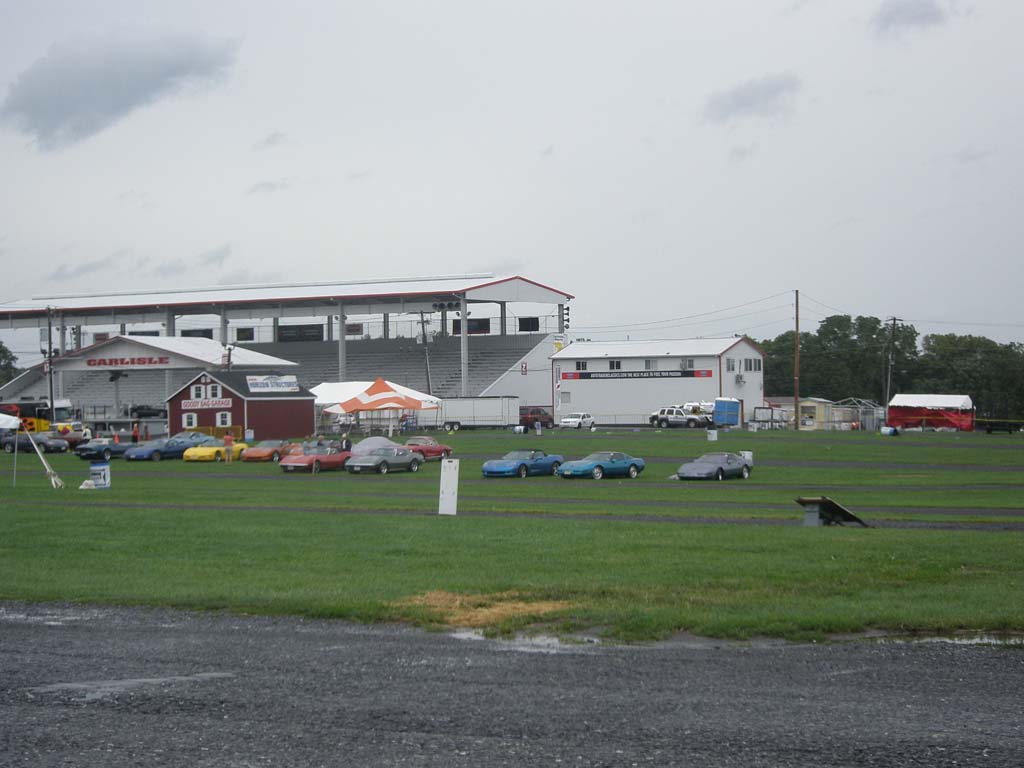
229,446
135,432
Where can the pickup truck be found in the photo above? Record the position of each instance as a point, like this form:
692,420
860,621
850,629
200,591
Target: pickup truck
689,415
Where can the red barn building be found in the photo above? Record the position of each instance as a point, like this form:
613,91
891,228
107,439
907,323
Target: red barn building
272,406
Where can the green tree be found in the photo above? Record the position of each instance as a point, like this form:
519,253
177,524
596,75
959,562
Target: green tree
973,365
845,357
8,369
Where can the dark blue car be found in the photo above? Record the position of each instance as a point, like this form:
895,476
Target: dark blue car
157,450
523,463
101,449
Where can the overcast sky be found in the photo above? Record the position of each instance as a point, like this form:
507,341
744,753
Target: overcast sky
663,161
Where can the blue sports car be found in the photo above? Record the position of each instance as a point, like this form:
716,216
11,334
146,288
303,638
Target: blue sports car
101,448
523,463
155,450
603,464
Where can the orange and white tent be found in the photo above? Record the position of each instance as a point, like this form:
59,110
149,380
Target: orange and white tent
378,395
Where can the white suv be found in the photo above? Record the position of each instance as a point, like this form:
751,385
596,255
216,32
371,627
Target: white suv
576,421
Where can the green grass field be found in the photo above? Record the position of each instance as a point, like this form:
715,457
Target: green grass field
633,560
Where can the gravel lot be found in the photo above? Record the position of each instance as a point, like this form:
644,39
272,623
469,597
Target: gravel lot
83,686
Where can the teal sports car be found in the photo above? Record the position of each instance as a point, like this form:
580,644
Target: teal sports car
603,464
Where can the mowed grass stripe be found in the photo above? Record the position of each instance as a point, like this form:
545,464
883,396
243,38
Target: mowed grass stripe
640,580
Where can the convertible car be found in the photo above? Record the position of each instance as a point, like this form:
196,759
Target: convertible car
715,466
603,464
270,450
383,460
522,464
316,457
213,451
428,448
101,449
157,450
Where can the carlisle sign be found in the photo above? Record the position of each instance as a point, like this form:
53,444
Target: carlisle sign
124,362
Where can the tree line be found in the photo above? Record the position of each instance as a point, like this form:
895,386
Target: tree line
850,357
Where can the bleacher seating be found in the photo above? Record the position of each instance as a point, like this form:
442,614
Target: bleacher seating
402,360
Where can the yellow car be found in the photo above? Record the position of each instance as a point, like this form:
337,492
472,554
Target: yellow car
213,452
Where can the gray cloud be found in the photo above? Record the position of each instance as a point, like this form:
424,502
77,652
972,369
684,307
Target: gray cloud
740,153
170,268
215,257
268,187
82,87
769,96
78,269
894,17
271,140
246,277
971,156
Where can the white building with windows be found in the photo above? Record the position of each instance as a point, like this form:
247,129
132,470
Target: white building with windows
622,382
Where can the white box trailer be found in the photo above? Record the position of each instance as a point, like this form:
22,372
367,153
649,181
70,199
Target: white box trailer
469,412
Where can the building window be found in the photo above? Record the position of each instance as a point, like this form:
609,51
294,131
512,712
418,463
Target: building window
614,365
686,364
198,391
757,363
730,365
581,365
650,365
223,418
189,420
751,364
245,334
214,391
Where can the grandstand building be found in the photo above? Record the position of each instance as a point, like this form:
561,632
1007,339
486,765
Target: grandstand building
465,342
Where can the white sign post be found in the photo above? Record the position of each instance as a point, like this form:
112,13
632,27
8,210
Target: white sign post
449,497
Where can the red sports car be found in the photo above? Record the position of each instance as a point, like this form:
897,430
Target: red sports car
316,457
428,448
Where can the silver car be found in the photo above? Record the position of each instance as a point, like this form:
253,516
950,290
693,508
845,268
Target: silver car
384,460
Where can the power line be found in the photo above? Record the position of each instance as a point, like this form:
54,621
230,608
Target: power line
686,317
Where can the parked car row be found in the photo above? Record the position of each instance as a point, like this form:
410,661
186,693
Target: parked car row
525,463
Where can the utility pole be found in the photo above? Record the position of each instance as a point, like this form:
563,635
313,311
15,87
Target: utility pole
892,357
796,366
49,360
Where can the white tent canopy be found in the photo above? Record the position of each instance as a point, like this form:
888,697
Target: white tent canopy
944,402
332,393
9,422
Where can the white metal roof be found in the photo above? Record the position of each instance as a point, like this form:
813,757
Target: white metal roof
948,402
478,287
205,352
648,349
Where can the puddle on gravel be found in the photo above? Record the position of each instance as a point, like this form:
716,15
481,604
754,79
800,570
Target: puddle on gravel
529,643
991,638
98,689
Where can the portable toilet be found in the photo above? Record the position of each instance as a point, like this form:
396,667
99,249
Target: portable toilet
727,412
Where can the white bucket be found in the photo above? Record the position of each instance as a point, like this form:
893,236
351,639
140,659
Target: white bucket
519,429
99,473
748,457
712,435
